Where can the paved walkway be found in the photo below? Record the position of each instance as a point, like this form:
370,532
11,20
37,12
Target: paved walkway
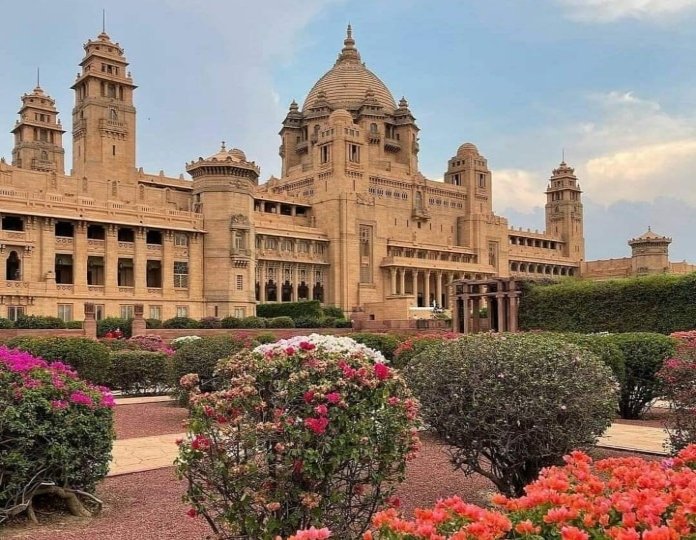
148,453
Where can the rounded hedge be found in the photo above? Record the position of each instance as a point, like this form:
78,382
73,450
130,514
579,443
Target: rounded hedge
6,323
110,324
181,322
38,322
509,405
280,322
140,372
56,432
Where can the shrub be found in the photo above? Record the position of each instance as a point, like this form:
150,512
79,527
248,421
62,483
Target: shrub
140,372
307,322
6,323
306,308
153,324
509,405
111,324
200,356
644,354
280,322
327,322
89,358
179,342
74,325
181,322
55,433
607,351
264,337
333,311
678,379
415,345
252,322
231,322
384,343
344,323
660,303
210,322
117,344
325,430
150,343
38,321
621,498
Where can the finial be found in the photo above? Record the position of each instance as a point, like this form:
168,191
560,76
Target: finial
103,21
649,229
349,31
38,77
222,149
563,155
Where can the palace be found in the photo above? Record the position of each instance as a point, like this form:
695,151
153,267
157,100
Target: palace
351,222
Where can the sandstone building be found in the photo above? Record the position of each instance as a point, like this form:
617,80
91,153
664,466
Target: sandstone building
351,221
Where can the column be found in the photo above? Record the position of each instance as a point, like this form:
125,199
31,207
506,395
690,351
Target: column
499,298
476,323
196,268
465,313
438,288
426,292
295,279
110,260
80,257
414,276
514,306
48,252
140,263
402,284
392,272
168,265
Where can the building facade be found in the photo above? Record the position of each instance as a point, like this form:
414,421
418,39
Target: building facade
351,221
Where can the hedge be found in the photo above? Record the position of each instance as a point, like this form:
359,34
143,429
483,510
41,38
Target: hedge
181,322
140,372
110,324
661,303
39,321
308,308
384,343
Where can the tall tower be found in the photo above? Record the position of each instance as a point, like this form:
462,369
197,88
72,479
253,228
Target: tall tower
104,115
564,213
650,253
38,134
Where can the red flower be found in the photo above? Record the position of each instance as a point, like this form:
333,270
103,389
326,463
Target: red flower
307,346
321,410
290,351
308,396
191,512
317,425
333,397
382,371
200,442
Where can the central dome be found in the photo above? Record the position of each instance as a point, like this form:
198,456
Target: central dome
346,84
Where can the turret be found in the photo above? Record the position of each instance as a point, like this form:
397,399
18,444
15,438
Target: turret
564,212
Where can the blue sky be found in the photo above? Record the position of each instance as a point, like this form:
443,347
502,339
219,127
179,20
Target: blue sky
611,81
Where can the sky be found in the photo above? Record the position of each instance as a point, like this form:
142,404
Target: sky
612,83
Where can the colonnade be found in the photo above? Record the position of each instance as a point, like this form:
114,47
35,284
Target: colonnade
424,284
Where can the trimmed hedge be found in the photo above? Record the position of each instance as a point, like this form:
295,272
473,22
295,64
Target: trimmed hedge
38,321
153,323
112,323
280,322
384,343
210,322
6,323
89,358
181,322
308,322
140,372
333,311
308,308
661,303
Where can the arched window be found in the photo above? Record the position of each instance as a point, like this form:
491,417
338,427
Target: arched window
113,114
373,128
13,267
44,155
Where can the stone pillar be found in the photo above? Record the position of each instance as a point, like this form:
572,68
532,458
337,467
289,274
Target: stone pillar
465,313
476,322
168,266
438,288
48,252
392,272
111,260
90,324
402,283
196,268
295,281
414,276
138,326
514,306
500,301
426,291
140,263
80,258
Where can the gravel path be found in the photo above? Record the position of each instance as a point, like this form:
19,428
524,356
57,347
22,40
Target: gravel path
144,420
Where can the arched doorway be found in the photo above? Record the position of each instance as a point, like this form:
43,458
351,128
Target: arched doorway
13,267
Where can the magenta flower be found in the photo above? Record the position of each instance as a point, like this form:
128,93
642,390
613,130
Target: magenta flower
80,398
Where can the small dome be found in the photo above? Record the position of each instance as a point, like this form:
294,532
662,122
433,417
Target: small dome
227,155
650,235
238,154
341,114
467,149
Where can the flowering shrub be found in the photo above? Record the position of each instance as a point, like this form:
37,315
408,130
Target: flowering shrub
617,498
509,405
417,344
308,430
179,342
55,432
151,343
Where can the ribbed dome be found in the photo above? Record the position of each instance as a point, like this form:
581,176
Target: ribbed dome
344,86
466,149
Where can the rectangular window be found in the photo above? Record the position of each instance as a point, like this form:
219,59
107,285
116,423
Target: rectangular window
95,270
365,239
154,274
239,242
456,179
65,312
156,312
353,153
127,311
239,312
482,180
99,312
181,274
64,269
182,311
180,239
14,312
126,277
325,153
240,282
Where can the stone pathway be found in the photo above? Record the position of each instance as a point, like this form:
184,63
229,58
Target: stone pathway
650,440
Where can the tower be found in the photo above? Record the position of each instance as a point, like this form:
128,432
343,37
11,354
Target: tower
650,253
564,213
104,115
38,134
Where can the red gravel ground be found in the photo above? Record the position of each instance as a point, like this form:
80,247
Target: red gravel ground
655,417
148,419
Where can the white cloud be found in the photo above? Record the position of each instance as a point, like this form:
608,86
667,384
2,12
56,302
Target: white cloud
518,189
604,11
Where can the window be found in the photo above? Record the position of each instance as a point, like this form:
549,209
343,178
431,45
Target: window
95,270
113,114
240,282
354,153
64,269
12,223
127,311
154,274
96,232
65,312
365,234
457,179
181,274
239,312
14,312
325,153
180,239
153,237
126,234
239,240
99,311
65,228
271,243
482,180
182,311
156,312
126,277
13,267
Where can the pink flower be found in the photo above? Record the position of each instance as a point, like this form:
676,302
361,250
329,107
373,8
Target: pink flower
307,346
381,371
321,410
59,404
200,442
317,425
80,398
290,351
308,396
312,534
192,512
333,397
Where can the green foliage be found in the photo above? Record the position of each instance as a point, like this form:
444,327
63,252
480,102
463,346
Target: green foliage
384,343
252,322
333,311
661,303
210,322
140,372
6,323
311,433
280,322
73,325
231,322
344,323
265,337
200,356
308,322
306,308
54,429
181,322
605,349
328,322
38,321
644,354
415,345
678,380
511,404
153,323
111,324
88,357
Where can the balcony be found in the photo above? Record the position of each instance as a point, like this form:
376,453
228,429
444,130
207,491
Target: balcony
126,246
302,147
64,242
154,249
433,264
154,291
114,126
126,290
13,236
95,245
392,145
96,289
65,289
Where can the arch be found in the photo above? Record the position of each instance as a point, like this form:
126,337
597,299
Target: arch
271,291
13,267
513,266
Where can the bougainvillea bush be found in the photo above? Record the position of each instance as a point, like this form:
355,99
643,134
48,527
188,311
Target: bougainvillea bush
56,433
308,431
509,405
617,498
678,377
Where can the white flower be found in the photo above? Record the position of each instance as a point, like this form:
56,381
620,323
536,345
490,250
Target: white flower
330,344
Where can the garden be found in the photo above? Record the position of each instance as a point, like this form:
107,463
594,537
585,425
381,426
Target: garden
362,436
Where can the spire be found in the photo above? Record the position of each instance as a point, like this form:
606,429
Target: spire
222,147
38,77
349,53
